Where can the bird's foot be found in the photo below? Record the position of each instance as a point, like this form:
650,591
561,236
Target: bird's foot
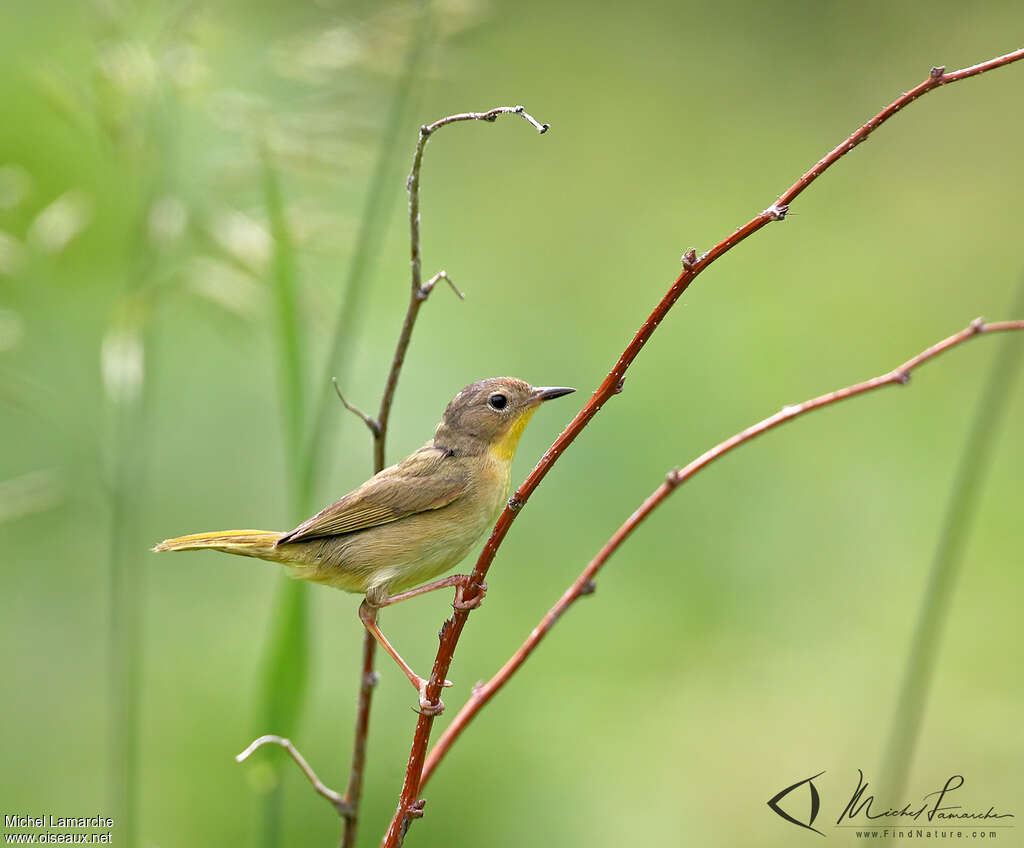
428,707
461,603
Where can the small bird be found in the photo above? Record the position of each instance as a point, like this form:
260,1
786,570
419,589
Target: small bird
411,521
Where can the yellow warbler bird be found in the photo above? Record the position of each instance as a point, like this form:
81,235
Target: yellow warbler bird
412,521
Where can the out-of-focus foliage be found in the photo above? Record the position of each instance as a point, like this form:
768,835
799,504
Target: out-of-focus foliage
752,633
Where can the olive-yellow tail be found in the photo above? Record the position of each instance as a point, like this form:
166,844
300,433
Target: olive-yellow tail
254,543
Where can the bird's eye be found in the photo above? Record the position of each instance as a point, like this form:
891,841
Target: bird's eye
497,401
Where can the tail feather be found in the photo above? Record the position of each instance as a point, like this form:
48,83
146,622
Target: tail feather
254,543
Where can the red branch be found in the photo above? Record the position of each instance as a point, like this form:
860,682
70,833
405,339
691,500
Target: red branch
408,806
584,584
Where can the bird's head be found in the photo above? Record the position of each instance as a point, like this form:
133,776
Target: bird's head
491,415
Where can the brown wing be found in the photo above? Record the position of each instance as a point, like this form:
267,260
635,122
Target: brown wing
426,480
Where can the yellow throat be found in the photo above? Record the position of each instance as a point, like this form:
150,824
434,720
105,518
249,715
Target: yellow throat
504,448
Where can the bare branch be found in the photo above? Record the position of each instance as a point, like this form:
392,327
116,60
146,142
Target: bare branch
419,290
337,801
368,420
452,629
583,585
491,115
353,794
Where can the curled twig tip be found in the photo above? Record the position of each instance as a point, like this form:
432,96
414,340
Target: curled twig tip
537,125
337,801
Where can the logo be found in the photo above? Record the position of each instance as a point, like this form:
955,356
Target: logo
815,803
942,812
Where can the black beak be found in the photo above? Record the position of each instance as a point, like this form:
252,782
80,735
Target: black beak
551,392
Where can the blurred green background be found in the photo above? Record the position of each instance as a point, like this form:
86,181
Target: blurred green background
753,632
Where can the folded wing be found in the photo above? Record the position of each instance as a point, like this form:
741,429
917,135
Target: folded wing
428,479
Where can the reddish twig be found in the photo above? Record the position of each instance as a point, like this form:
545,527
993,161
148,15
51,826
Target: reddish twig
584,584
408,805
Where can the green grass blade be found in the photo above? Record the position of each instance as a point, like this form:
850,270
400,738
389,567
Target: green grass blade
284,279
960,511
126,593
285,669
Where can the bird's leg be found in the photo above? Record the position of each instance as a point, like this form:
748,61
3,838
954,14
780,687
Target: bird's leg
377,598
368,615
459,581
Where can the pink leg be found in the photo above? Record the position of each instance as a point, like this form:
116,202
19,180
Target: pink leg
457,580
368,615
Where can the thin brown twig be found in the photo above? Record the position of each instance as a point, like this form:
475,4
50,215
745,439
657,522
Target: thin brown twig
337,801
372,423
428,286
584,584
409,806
354,790
418,290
